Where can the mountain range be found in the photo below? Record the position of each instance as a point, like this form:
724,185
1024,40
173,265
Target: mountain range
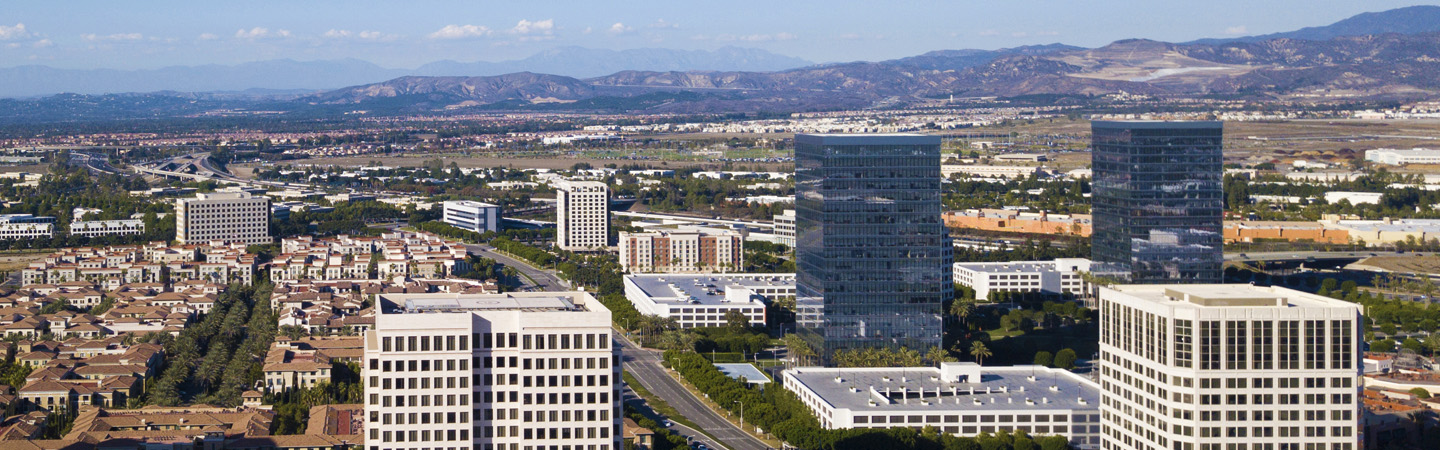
309,76
1386,55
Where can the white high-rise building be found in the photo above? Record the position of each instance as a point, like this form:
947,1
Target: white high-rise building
582,215
223,216
474,216
516,371
1228,367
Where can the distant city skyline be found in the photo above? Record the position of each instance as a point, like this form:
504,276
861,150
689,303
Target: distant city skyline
95,34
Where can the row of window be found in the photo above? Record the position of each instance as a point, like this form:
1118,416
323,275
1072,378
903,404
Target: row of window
563,398
400,401
542,416
987,418
420,435
543,363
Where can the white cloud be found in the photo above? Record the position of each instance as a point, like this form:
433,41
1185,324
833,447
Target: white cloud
782,36
260,33
42,43
620,28
1238,29
988,33
546,27
360,35
18,31
461,32
587,30
661,23
113,37
13,45
207,37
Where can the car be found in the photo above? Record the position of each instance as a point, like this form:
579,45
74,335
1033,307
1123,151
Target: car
667,424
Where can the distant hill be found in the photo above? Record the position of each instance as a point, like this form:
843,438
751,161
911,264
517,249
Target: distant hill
34,80
1407,20
586,62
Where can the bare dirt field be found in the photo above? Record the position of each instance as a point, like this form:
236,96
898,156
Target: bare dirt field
1405,264
10,262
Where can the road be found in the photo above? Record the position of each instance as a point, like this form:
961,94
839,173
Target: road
635,401
1273,256
543,280
644,365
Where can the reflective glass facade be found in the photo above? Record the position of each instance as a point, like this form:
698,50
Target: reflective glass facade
872,256
1158,200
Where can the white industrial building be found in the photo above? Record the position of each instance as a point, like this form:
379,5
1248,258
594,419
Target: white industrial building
987,171
107,228
1397,157
1228,366
696,301
1061,276
582,215
474,216
492,371
956,398
223,216
1355,198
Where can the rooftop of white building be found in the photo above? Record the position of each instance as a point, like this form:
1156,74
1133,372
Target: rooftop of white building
707,289
1226,295
397,304
953,387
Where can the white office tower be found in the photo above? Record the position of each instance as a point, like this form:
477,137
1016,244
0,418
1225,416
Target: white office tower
223,216
474,216
1227,367
517,371
582,215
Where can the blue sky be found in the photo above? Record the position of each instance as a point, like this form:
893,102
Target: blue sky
148,34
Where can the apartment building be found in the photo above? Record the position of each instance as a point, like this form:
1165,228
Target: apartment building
95,228
681,251
474,216
1228,367
962,399
224,216
704,300
516,371
582,215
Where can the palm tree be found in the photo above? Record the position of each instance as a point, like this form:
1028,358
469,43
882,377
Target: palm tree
962,309
979,351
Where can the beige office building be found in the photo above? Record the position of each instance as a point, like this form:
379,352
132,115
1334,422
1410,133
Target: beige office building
582,215
1227,367
223,216
515,371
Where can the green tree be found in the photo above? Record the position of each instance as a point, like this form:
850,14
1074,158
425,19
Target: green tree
1420,392
1044,358
979,351
1065,359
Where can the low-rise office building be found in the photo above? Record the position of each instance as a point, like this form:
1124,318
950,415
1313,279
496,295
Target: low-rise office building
1019,222
987,171
703,300
107,228
11,230
473,216
962,399
1061,276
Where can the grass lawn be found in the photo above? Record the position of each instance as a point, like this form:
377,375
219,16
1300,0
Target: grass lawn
655,402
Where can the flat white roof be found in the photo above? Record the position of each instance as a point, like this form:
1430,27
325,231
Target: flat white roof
1227,295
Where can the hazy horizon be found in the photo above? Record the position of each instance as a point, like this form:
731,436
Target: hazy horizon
168,33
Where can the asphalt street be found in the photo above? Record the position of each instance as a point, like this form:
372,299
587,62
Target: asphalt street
644,365
543,281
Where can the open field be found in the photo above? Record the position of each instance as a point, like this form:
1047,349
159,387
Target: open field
1255,142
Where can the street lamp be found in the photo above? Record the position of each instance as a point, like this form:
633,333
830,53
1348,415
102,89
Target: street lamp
742,414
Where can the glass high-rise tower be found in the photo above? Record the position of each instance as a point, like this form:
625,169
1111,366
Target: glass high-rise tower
1157,200
872,255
